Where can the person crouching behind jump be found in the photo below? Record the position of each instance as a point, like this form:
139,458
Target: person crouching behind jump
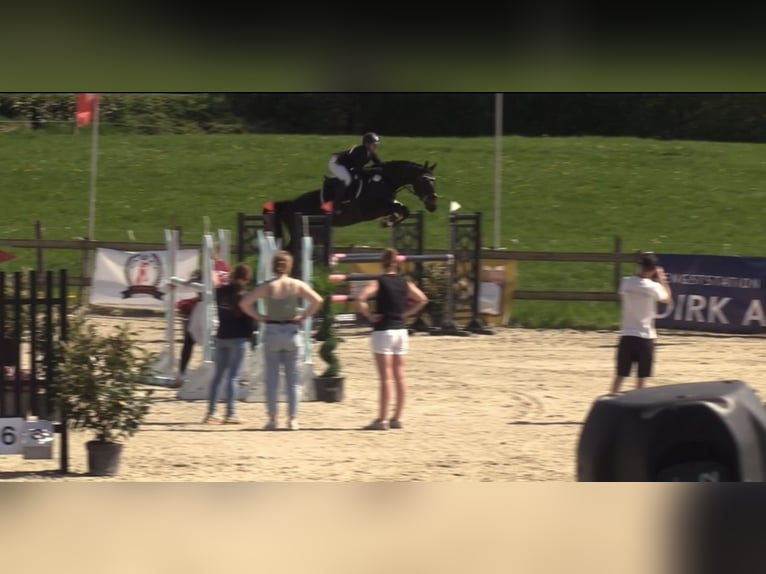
639,294
185,308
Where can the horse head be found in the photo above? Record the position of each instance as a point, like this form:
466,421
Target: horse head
421,178
425,187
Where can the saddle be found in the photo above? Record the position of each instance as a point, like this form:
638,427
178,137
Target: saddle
333,187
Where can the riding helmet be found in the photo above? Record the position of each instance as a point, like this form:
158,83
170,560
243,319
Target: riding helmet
370,137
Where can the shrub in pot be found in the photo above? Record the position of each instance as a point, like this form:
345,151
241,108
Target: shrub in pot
328,385
100,383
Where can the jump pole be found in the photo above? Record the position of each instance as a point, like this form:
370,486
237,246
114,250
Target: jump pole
375,258
448,326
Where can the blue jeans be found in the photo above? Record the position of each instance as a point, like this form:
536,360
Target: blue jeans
228,358
283,345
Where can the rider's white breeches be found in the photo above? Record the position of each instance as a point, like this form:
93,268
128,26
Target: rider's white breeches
340,171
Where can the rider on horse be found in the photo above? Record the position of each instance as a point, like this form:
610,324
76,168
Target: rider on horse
349,163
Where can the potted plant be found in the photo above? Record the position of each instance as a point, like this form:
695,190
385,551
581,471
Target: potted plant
100,383
329,385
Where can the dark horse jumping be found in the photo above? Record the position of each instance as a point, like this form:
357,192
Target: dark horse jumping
370,196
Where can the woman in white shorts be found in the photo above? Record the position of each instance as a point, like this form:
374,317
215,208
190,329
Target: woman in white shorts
389,340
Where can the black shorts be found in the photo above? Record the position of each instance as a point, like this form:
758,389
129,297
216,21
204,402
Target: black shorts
635,350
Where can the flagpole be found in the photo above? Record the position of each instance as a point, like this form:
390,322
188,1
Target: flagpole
93,170
497,219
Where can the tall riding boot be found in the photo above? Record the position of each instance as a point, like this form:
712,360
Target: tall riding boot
342,193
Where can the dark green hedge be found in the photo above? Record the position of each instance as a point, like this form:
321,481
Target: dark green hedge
701,116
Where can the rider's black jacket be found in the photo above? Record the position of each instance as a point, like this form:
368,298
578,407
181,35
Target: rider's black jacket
356,158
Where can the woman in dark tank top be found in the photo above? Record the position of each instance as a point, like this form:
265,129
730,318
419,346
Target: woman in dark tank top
391,303
234,331
396,299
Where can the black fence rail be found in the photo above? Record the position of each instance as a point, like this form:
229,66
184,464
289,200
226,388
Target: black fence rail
33,321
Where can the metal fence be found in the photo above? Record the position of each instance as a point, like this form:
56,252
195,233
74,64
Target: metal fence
33,322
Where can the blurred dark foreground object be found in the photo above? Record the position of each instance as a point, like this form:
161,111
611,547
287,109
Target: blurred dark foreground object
721,530
693,432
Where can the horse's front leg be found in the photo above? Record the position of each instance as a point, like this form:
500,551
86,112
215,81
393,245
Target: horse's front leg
399,212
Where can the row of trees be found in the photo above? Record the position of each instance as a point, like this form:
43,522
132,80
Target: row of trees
701,116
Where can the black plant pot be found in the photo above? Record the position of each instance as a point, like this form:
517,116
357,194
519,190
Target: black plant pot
329,389
437,318
103,457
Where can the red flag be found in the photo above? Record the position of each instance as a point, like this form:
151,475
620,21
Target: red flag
5,256
86,107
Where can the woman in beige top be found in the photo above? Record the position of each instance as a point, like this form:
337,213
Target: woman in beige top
282,337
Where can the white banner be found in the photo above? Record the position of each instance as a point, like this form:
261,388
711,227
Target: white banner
138,279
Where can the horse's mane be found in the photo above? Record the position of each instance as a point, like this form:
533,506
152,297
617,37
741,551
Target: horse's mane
403,163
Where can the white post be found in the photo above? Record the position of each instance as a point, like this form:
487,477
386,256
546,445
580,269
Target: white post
208,300
93,170
307,265
171,240
498,167
224,245
267,247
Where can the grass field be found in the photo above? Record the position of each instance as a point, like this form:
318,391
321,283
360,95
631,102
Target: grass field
559,194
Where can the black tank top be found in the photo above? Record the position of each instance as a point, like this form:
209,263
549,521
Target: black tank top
391,302
232,322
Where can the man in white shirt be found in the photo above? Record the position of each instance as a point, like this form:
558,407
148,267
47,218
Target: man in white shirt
639,294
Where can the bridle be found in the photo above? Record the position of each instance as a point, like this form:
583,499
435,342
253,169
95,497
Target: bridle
432,195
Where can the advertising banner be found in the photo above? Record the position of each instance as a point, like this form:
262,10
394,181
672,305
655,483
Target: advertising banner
714,293
138,279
